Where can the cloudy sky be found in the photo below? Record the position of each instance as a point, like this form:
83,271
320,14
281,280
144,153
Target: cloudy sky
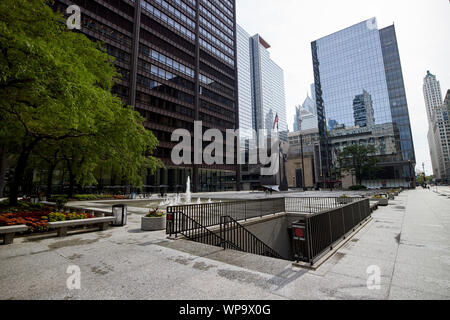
423,34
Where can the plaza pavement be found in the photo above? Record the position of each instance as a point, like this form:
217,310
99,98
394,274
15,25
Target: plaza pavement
409,241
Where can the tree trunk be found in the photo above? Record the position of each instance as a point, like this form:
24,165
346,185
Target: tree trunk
71,181
51,170
18,174
3,163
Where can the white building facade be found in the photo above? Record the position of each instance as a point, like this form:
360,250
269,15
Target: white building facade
439,128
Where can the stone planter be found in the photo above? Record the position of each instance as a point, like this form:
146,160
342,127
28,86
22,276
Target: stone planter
344,200
381,202
153,224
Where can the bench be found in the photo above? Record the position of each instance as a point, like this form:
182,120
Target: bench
62,226
10,231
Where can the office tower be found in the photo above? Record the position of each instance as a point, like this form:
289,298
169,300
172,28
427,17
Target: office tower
262,104
306,115
439,127
432,94
348,63
245,85
269,101
265,98
363,110
177,59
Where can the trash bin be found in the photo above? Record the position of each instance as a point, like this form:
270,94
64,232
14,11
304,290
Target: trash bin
119,211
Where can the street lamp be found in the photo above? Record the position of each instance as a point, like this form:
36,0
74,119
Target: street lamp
410,174
300,121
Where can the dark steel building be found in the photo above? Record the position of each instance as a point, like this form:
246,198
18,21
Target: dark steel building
177,59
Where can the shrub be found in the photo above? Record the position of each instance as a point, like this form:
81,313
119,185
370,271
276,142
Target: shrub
358,188
156,213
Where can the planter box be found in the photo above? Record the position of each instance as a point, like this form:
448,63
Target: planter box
344,200
153,224
381,202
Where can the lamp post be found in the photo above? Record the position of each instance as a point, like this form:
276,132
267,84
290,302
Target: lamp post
410,175
300,121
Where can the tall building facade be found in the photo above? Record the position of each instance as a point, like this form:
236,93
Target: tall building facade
305,117
438,127
265,98
261,95
363,60
432,94
177,59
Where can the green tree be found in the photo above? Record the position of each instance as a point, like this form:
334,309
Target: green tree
359,160
55,88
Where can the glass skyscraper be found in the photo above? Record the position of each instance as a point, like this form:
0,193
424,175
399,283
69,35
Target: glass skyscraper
261,87
362,60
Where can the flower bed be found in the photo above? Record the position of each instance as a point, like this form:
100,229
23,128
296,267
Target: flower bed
35,216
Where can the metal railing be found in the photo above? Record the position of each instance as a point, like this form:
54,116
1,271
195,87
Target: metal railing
195,231
315,234
232,236
210,214
237,237
315,205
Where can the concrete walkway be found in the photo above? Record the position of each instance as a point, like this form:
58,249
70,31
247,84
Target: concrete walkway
409,241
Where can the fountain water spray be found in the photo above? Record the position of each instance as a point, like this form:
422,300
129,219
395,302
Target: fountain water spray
188,191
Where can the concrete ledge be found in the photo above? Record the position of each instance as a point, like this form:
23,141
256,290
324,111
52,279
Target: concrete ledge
62,226
10,231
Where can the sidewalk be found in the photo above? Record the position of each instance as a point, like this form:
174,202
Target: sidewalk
409,241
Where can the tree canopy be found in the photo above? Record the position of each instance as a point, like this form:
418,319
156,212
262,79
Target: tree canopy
55,90
359,160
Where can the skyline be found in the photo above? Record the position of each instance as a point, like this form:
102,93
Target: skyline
295,56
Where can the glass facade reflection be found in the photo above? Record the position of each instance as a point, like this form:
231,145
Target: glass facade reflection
351,62
359,83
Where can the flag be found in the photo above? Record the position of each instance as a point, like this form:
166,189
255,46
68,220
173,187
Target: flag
275,122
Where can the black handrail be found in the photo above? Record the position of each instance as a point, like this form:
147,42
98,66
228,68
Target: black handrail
209,214
319,232
236,235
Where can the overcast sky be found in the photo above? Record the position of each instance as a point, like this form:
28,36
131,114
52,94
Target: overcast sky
423,34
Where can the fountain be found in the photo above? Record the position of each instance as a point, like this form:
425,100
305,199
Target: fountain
188,191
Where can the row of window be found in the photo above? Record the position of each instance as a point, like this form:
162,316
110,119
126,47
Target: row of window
214,108
216,121
158,87
166,75
229,3
220,4
106,31
216,52
155,55
177,13
120,55
215,85
216,41
216,20
163,17
216,97
217,11
216,30
164,104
